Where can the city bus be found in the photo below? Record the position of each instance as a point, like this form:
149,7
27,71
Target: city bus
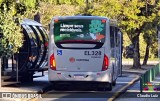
84,49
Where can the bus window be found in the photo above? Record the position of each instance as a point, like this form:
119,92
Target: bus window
112,40
79,31
116,37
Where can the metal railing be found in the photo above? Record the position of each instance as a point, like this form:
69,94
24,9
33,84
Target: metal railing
149,76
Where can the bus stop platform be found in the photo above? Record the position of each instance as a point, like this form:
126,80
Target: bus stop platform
39,85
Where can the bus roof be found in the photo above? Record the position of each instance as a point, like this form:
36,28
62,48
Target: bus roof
80,17
112,22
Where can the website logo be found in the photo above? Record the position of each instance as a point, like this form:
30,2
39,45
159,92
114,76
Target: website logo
72,59
6,95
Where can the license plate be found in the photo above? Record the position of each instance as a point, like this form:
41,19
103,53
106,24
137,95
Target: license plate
78,76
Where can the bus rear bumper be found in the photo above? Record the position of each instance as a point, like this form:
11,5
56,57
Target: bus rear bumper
102,76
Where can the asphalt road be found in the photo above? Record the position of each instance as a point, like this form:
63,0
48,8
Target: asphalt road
85,93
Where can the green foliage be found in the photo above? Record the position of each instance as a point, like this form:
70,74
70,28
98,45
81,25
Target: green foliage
48,11
150,28
108,8
126,13
11,12
81,4
133,16
68,2
30,4
11,39
132,19
20,6
1,1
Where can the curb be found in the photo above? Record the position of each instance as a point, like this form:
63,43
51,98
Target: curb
45,89
124,89
41,91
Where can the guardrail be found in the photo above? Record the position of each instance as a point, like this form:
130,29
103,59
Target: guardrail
149,76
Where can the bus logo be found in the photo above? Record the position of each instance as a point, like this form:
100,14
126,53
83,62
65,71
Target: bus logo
72,59
59,52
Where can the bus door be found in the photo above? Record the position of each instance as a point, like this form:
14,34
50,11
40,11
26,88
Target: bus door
119,53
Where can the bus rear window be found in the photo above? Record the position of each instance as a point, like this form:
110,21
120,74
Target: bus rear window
70,30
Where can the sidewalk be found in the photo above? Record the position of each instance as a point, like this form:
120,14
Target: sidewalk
38,85
133,93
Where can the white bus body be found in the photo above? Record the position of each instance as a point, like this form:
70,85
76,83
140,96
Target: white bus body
84,48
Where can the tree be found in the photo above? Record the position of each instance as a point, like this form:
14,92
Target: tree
49,10
30,4
150,39
150,29
127,14
11,38
11,12
133,16
25,8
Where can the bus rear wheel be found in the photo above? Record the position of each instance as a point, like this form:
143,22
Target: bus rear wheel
109,87
114,83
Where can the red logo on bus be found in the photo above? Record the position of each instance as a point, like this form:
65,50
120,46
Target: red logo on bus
72,59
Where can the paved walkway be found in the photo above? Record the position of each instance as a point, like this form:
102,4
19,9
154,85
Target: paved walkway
33,88
37,86
133,93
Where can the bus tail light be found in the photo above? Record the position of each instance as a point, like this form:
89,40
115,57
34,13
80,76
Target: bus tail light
52,62
105,63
